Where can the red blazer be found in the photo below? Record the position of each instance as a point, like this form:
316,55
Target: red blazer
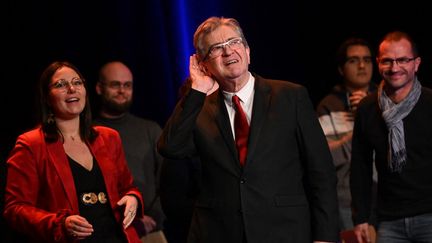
40,190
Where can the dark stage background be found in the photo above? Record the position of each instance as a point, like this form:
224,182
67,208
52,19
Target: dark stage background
293,40
290,40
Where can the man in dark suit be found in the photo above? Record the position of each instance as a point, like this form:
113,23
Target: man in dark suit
285,189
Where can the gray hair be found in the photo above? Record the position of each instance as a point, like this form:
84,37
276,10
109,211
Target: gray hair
208,26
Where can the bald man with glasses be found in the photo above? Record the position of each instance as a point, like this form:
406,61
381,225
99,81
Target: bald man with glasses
139,137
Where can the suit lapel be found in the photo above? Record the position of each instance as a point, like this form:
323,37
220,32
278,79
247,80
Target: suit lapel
220,114
260,108
102,156
61,163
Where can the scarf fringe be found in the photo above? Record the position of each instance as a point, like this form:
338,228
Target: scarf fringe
397,161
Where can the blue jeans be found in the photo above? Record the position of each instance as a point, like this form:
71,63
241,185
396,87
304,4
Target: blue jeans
416,229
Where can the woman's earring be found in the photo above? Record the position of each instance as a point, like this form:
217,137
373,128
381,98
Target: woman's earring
50,119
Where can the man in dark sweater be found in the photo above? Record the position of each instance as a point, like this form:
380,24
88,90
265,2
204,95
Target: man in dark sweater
139,136
394,127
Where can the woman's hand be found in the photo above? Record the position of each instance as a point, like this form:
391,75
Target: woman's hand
78,227
131,205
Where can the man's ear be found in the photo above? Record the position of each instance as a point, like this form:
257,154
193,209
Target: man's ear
206,70
98,88
248,54
340,71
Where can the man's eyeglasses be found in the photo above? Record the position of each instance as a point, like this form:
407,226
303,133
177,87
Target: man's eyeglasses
64,85
117,85
387,62
218,49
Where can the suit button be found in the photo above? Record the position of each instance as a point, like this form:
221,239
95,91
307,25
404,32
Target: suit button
243,181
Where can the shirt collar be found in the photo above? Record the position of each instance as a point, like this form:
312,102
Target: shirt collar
244,93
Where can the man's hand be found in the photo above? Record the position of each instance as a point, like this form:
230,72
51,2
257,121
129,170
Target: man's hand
149,224
355,98
201,80
362,233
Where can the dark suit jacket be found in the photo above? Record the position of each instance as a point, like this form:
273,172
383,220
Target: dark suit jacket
286,192
40,189
178,190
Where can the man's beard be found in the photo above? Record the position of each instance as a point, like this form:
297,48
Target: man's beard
114,108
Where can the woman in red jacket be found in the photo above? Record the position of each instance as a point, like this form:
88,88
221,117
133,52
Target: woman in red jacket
68,180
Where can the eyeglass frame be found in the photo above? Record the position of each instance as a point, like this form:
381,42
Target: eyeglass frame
401,61
222,46
64,85
115,84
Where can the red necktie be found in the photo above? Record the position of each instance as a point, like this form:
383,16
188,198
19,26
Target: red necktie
241,129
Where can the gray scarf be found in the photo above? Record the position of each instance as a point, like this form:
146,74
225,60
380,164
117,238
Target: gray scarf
393,115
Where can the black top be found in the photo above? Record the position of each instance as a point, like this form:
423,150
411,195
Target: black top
400,195
94,204
139,138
